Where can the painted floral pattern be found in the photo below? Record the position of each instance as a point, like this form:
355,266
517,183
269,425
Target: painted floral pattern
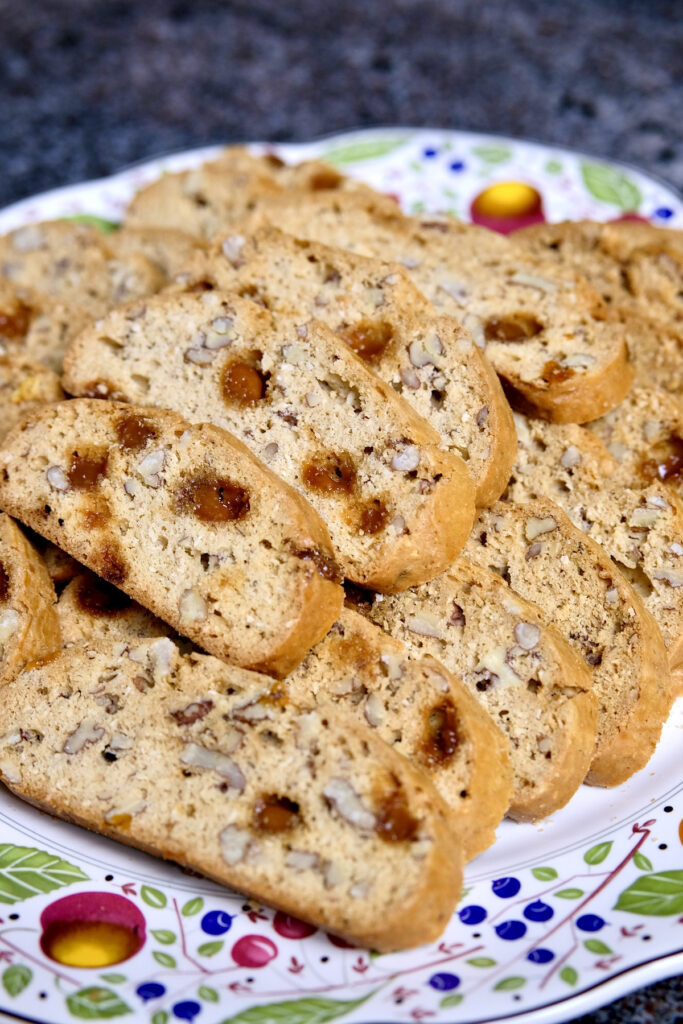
564,915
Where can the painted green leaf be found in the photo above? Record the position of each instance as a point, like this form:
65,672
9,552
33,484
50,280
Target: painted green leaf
208,994
210,948
313,1010
153,897
453,1000
192,907
553,167
113,979
492,154
417,207
659,894
165,959
103,225
641,861
95,1003
163,936
569,975
16,978
160,1017
598,853
481,961
569,894
25,872
508,984
358,151
466,890
544,874
596,946
610,185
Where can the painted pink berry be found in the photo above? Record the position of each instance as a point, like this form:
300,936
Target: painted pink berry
253,951
291,927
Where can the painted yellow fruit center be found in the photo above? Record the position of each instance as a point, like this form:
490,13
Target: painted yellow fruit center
89,943
507,199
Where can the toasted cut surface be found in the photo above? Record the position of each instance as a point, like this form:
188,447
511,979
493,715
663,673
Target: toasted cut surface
398,507
545,331
168,249
29,628
24,385
182,518
205,200
71,263
535,547
422,711
34,326
210,765
534,686
374,307
89,609
640,528
645,437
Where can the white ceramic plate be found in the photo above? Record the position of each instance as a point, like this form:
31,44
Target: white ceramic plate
555,920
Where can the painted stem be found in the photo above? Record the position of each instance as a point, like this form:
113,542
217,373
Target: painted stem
181,929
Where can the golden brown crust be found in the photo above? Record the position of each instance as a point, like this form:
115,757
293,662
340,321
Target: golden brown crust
27,596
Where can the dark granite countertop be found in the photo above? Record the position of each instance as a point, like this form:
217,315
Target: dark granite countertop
90,86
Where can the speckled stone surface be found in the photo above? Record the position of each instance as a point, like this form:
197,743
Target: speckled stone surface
90,86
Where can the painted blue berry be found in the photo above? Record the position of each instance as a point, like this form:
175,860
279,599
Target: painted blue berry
590,923
511,930
444,982
430,152
541,956
150,990
457,165
216,922
187,1010
538,911
663,212
472,914
506,888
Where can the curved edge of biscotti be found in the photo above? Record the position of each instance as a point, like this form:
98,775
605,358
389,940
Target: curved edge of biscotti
408,923
630,747
38,627
322,598
355,645
579,399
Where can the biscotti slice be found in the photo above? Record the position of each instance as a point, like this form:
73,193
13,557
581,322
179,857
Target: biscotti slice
71,262
374,308
398,506
90,609
29,627
36,327
645,437
640,529
422,711
545,332
24,384
534,686
543,557
206,199
168,249
182,518
211,766
61,568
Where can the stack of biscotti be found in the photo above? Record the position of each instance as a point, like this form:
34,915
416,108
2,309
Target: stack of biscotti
313,399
